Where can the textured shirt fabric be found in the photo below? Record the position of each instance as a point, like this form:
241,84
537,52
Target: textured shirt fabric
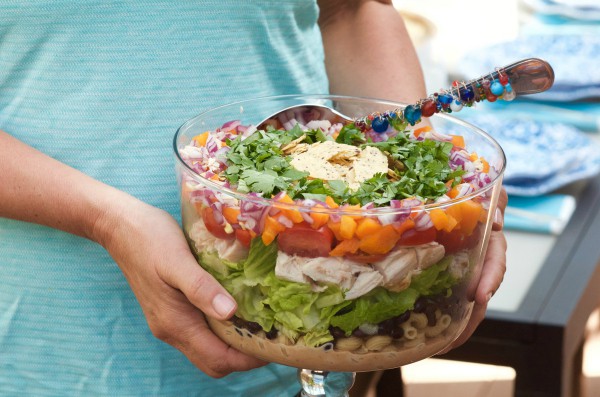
103,86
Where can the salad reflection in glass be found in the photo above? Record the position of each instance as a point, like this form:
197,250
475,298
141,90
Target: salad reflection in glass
346,249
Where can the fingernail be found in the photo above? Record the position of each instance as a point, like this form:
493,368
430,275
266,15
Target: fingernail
488,297
498,218
223,305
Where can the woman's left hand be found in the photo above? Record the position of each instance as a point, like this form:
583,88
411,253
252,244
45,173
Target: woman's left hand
494,267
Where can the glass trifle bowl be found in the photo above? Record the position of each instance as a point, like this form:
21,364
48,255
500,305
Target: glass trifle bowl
346,249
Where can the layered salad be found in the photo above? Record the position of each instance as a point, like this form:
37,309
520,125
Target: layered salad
346,248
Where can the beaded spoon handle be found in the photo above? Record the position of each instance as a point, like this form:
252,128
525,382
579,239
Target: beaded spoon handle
525,77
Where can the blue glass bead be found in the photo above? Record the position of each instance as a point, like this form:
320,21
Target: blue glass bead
467,94
508,87
497,88
412,114
380,124
445,99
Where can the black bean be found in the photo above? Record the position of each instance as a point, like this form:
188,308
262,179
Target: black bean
385,327
397,333
430,313
272,334
359,333
337,332
419,305
253,327
402,318
238,322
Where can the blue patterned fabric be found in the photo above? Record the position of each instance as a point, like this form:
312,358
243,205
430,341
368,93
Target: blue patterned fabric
103,86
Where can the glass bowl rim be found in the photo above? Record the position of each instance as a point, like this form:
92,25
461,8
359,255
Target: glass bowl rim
384,210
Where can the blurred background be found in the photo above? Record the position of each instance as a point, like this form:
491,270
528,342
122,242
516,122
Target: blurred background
552,143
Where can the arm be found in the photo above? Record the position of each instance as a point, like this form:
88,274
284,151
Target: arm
369,53
173,302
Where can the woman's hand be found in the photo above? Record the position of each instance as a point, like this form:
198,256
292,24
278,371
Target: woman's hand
175,293
494,267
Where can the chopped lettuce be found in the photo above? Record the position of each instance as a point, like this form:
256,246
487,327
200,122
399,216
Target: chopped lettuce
295,309
381,304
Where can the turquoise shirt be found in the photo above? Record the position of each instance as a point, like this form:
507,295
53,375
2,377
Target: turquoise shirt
103,86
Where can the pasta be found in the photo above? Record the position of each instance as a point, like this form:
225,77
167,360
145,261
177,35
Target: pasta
348,344
378,342
440,326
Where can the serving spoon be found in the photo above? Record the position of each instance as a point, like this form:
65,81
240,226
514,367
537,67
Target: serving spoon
524,77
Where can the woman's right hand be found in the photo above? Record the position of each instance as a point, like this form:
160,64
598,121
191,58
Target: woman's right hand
175,293
147,243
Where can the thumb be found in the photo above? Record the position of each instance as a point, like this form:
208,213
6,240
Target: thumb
200,288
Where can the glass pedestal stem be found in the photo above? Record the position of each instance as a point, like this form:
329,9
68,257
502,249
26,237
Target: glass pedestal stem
324,384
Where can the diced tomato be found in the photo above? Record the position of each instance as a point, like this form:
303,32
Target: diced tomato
303,240
213,226
457,240
417,237
243,236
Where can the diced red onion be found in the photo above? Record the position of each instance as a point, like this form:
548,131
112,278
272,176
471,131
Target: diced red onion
230,125
211,144
323,125
387,219
217,213
458,158
469,177
285,221
464,189
306,217
423,221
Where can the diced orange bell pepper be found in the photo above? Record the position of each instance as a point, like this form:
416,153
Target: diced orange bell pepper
231,214
319,218
331,202
458,141
404,226
201,139
346,247
271,230
455,212
354,211
470,212
451,224
335,228
292,214
438,218
380,242
367,226
452,193
486,165
347,227
421,130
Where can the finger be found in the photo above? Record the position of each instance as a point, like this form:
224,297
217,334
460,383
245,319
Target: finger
209,353
494,268
502,200
498,222
200,288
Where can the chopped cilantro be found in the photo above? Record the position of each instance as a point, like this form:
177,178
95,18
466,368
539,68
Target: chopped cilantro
350,135
418,168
